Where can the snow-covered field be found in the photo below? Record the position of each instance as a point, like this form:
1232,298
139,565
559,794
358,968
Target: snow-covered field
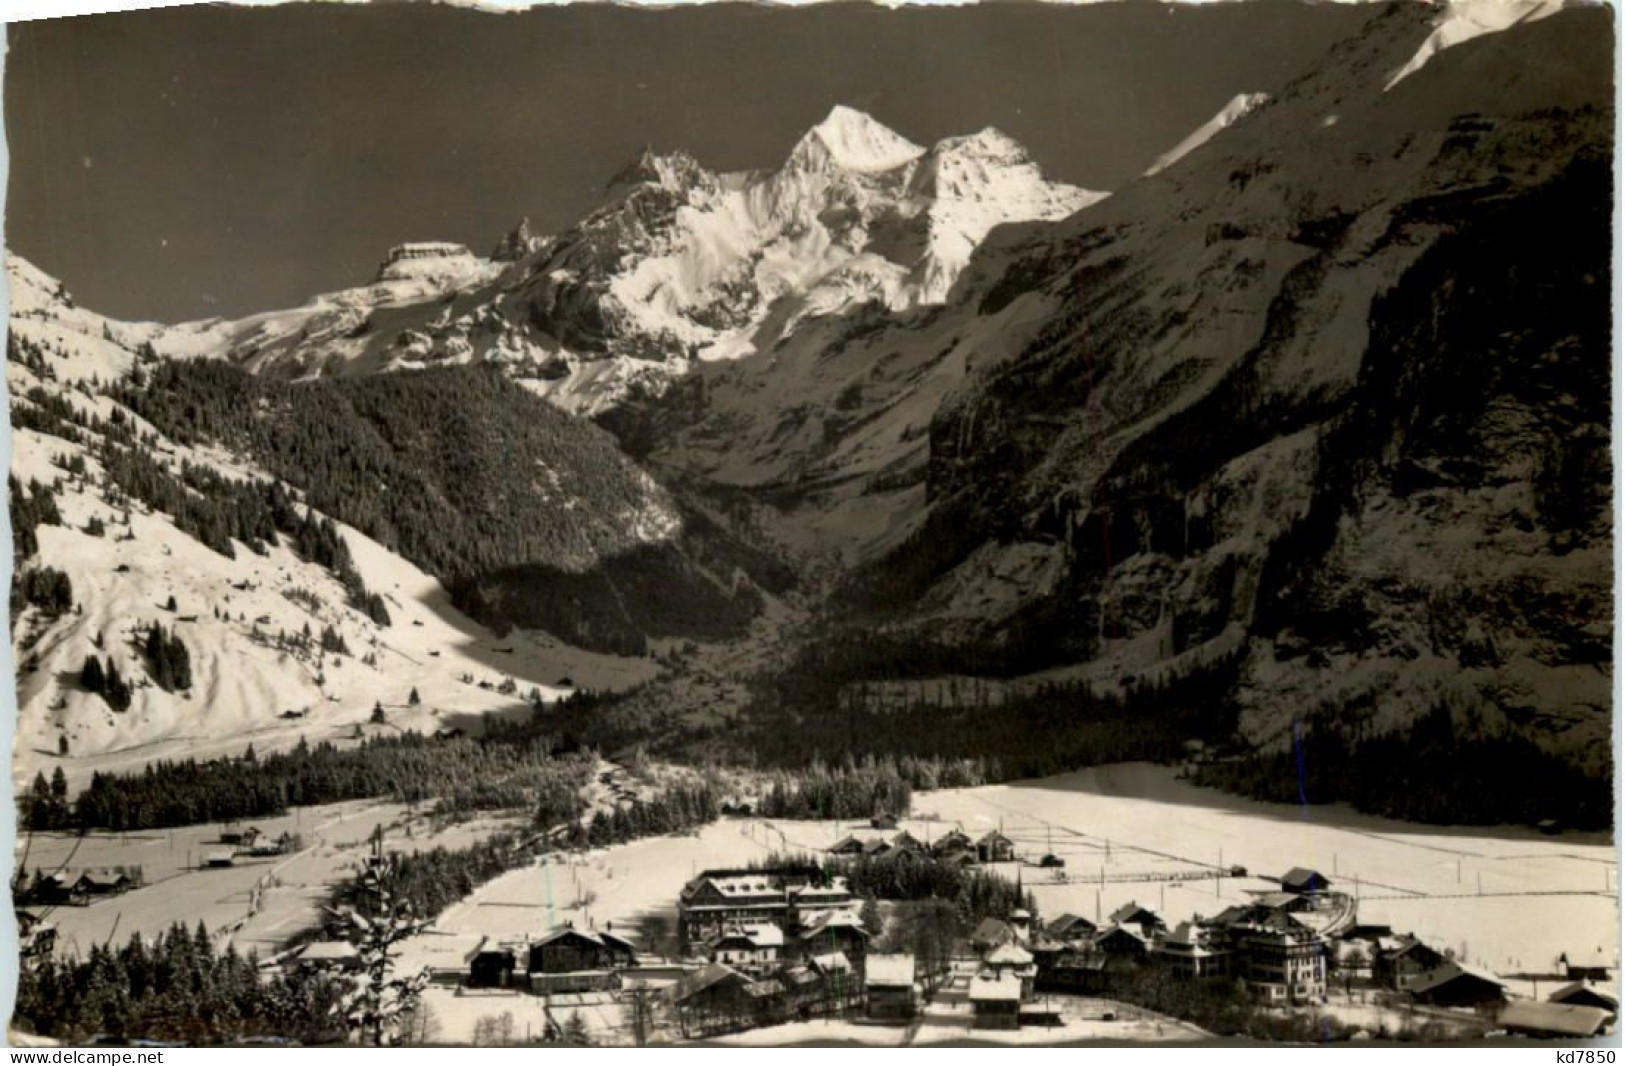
1125,833
243,685
272,898
1541,895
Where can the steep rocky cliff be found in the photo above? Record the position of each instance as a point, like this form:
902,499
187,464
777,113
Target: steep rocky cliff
1327,396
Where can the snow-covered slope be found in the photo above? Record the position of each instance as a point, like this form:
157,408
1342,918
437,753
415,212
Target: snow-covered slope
1462,20
241,618
682,265
341,329
1240,105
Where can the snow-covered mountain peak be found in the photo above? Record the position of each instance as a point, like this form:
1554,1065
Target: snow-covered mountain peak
676,172
989,143
680,264
439,262
853,141
516,244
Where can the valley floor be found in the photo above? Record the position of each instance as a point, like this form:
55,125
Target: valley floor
1138,832
1507,899
258,904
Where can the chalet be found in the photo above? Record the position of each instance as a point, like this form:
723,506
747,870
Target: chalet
60,888
1552,1021
219,860
1456,984
1398,962
1586,966
1188,952
995,847
568,959
1084,970
990,934
105,882
712,1000
883,821
1045,950
876,848
492,966
996,1000
843,984
1304,881
452,733
1012,960
750,948
1122,941
835,931
1070,927
889,982
765,1001
239,838
952,842
906,841
1284,902
1583,994
1142,918
848,845
803,990
328,956
1052,862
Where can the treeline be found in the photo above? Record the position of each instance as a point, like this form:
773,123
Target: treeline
429,881
408,767
1433,771
45,805
433,880
1031,732
176,988
676,809
910,876
975,894
852,789
525,513
1222,1006
216,510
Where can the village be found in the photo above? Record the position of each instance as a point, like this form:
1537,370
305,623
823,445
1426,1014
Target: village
891,930
788,943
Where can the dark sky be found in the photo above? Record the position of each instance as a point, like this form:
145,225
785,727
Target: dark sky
185,163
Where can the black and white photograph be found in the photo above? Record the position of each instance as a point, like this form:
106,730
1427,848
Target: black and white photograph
846,524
